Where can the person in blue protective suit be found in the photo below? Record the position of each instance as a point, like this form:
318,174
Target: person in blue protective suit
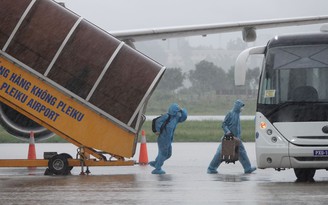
174,116
231,126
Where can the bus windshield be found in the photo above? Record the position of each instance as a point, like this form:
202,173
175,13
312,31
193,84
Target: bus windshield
295,74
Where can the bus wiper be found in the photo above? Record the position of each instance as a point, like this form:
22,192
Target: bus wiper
280,106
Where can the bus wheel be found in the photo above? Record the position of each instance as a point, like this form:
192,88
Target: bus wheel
304,175
58,165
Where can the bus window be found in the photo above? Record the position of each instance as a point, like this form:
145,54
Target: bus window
292,68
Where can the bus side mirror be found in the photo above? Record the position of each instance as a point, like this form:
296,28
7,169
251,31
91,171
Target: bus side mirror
241,66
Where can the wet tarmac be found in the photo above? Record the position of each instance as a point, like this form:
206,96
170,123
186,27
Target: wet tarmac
186,181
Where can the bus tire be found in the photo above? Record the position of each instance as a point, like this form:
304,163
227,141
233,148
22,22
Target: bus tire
304,174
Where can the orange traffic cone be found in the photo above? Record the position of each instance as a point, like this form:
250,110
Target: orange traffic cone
143,155
31,147
31,150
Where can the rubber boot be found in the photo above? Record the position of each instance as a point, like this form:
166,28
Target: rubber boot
244,160
158,171
216,161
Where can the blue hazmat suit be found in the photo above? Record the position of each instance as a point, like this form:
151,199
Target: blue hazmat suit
231,125
165,138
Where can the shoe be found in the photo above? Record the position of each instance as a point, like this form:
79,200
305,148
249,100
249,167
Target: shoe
152,163
211,171
158,171
252,169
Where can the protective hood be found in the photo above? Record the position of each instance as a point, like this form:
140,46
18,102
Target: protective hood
238,105
174,109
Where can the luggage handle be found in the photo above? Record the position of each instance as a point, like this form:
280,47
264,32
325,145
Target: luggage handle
229,136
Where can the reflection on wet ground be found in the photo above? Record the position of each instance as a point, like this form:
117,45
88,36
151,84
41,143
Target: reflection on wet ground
231,178
186,182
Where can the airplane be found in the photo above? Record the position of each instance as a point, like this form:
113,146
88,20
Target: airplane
247,28
20,126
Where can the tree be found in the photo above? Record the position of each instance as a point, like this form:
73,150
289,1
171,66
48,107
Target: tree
207,77
251,80
171,80
231,81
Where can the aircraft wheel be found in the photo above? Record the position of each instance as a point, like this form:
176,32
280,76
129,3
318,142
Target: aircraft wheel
58,165
304,175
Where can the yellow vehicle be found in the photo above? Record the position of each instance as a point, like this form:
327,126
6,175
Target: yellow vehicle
60,74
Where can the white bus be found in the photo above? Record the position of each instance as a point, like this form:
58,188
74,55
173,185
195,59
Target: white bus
292,105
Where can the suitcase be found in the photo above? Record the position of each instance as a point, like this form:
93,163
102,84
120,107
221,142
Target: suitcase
230,149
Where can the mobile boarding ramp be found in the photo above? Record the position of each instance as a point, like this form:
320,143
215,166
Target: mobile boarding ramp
60,72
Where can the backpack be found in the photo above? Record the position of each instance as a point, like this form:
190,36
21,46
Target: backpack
153,124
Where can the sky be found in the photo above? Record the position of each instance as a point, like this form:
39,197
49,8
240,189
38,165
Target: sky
134,14
118,15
